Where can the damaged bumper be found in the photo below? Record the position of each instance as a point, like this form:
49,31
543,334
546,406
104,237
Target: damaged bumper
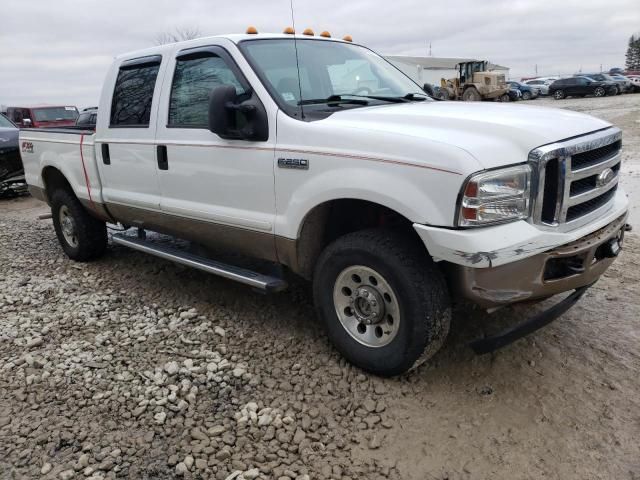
517,262
561,269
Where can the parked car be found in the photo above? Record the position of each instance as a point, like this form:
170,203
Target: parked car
88,118
218,141
579,87
616,87
43,116
635,82
514,94
541,85
627,84
528,91
11,170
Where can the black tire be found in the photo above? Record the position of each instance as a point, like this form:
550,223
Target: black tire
526,95
505,98
423,303
90,233
443,94
559,94
471,94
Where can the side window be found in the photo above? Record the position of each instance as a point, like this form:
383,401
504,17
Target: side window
194,78
133,94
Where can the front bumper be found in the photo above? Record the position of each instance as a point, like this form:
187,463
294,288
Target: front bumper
504,264
568,267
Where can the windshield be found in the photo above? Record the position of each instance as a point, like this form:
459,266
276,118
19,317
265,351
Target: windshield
4,123
326,69
52,114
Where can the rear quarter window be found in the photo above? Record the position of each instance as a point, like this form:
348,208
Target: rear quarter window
133,93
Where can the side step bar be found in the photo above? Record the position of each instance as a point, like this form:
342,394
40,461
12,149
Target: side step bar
254,279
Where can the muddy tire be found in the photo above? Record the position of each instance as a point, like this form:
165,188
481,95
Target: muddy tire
383,301
471,95
443,94
81,236
559,94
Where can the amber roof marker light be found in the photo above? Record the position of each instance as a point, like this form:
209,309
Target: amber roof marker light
325,34
289,31
347,38
251,30
309,32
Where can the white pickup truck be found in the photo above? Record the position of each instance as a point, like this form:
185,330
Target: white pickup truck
318,155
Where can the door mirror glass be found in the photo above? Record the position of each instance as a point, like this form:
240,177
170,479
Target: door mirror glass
237,117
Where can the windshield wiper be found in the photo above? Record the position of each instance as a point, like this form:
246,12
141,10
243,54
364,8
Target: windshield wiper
334,100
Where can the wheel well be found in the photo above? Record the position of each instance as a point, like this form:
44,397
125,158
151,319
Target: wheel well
333,219
54,180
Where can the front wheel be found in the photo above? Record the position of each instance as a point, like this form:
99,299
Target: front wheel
471,95
81,236
558,94
599,92
526,95
383,301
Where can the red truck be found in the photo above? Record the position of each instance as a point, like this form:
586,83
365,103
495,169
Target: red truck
43,116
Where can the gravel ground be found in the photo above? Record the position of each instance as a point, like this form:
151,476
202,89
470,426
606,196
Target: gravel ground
132,367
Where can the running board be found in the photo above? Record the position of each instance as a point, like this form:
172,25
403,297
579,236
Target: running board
254,279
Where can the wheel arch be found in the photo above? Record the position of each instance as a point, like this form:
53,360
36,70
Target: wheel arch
332,219
53,179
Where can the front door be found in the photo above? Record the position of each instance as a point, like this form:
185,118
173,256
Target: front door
225,186
124,146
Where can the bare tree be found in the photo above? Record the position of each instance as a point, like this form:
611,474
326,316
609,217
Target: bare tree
178,35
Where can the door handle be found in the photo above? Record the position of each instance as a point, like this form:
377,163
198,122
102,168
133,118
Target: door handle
163,162
106,159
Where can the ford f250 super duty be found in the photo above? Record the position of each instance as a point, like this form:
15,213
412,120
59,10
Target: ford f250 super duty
318,155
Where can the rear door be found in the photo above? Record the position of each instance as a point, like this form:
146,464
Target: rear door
126,132
219,181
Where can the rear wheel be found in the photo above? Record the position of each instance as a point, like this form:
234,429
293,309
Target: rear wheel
559,94
471,94
383,301
526,95
599,92
443,94
81,236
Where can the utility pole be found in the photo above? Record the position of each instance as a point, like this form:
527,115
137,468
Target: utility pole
429,48
536,69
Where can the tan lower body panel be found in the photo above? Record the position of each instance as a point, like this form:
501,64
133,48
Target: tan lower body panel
210,235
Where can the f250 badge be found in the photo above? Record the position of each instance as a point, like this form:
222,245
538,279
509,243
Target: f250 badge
27,147
295,163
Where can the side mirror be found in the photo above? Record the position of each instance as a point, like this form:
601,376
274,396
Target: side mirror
26,122
234,119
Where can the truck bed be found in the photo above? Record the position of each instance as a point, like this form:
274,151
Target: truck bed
69,150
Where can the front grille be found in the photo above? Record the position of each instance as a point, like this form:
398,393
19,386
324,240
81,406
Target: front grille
593,157
589,206
574,177
10,162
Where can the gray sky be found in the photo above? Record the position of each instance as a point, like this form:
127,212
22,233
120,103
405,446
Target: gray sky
57,51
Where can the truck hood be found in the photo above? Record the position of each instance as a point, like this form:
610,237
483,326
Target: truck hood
496,134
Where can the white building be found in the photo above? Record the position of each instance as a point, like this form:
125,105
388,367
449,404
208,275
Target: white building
431,69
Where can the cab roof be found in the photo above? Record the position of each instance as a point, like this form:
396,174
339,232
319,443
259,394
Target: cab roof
234,37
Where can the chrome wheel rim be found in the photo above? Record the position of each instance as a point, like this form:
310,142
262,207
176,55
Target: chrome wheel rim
68,226
366,306
599,92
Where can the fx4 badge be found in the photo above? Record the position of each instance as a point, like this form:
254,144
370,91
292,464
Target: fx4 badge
27,147
295,163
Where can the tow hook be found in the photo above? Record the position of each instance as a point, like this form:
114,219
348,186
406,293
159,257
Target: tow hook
612,249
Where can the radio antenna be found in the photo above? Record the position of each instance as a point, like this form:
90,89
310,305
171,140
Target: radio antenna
295,45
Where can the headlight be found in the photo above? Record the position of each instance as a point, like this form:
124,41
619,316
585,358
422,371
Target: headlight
496,196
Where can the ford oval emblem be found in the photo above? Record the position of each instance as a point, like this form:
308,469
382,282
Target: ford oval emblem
605,177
